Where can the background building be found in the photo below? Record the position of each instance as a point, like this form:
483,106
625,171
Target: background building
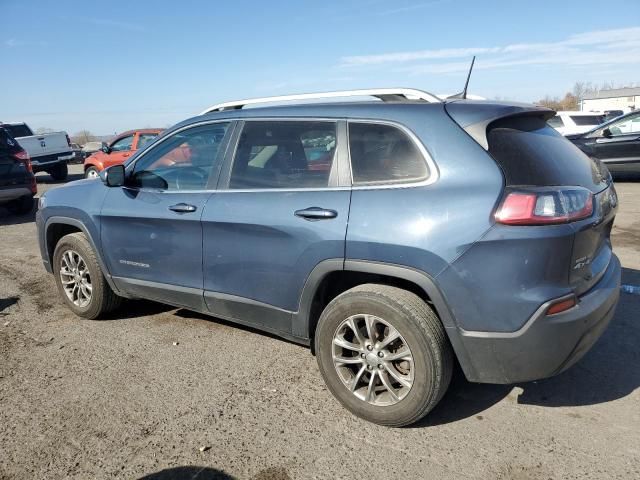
625,99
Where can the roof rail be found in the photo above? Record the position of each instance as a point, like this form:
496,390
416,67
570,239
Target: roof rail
384,94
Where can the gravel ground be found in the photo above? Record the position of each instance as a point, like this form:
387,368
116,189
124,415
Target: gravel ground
120,399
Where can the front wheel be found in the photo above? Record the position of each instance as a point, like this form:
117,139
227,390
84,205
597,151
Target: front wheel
91,172
79,278
384,354
60,172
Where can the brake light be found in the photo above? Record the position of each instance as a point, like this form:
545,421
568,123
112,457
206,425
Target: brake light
544,206
23,156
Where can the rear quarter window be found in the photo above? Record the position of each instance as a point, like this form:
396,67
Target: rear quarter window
384,154
532,153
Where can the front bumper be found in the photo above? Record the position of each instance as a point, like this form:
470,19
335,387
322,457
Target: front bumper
545,345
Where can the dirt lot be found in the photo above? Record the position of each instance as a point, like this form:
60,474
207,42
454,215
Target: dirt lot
117,398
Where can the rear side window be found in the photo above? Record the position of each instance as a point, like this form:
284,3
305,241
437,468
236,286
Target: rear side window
530,152
586,120
382,154
17,131
284,154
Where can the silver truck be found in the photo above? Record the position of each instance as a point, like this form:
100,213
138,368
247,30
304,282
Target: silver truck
49,152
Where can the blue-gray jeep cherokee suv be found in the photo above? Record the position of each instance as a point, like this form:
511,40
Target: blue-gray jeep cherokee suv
394,236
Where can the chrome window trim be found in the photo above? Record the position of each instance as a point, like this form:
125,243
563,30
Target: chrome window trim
434,173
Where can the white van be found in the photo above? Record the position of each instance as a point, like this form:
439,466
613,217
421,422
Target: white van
570,122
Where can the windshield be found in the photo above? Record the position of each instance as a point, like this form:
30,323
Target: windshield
18,130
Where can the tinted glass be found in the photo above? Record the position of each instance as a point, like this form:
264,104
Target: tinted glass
384,154
187,160
586,120
122,145
145,138
18,130
530,152
293,154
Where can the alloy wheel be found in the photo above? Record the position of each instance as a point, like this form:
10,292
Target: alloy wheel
373,360
75,278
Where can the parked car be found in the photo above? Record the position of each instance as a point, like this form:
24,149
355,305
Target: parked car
17,181
118,150
49,152
570,122
356,228
90,148
616,143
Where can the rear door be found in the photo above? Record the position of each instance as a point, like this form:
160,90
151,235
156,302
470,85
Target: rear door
620,151
279,212
150,228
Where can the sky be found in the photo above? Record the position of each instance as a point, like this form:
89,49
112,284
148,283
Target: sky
116,65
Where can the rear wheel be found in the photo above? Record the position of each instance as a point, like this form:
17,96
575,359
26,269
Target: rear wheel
384,354
59,172
91,172
80,280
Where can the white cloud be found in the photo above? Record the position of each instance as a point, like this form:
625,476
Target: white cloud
597,48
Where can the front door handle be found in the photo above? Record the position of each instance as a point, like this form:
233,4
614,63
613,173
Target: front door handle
183,208
316,213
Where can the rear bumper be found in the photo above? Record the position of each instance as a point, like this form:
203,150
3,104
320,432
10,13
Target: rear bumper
44,161
545,345
15,192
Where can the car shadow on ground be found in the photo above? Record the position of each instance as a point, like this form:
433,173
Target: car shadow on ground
180,473
43,177
611,370
9,218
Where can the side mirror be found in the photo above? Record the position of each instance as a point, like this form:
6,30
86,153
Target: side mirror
113,176
606,133
105,149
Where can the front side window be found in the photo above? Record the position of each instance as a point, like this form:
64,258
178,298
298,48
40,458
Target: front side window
122,144
186,160
626,126
284,154
384,154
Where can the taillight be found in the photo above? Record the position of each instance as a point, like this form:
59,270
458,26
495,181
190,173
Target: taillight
23,156
544,206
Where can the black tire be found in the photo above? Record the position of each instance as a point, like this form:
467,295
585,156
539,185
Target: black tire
91,172
22,205
103,299
60,172
423,333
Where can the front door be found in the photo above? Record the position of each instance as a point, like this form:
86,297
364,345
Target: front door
620,151
119,151
278,213
150,228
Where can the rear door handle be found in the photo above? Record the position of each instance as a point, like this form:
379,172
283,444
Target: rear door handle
183,208
316,213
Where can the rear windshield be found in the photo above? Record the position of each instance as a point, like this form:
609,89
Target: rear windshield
587,120
530,152
6,142
18,130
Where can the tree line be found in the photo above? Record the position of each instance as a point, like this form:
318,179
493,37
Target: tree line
572,99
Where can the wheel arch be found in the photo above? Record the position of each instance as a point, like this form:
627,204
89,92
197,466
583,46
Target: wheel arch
57,227
305,319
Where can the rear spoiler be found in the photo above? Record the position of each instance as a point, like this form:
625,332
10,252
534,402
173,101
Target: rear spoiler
475,116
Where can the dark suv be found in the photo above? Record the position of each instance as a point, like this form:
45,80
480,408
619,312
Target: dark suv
17,181
395,237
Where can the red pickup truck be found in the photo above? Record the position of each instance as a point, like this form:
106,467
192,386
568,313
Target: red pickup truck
118,150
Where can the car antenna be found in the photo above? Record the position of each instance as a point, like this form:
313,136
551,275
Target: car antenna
463,93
